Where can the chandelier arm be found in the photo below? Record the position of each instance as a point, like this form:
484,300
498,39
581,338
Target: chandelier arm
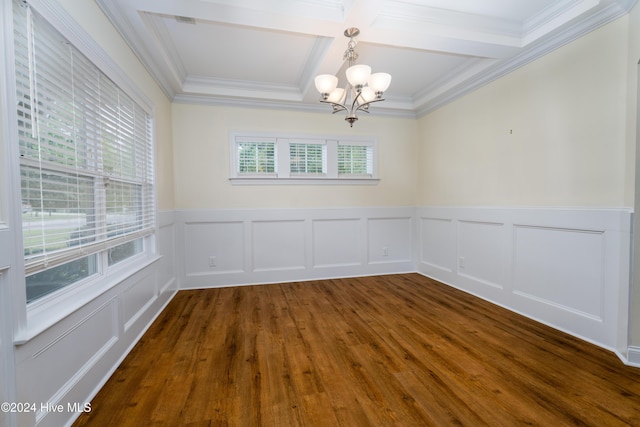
338,107
355,99
335,107
362,107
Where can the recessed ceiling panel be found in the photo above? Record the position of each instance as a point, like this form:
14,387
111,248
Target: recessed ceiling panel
225,51
248,52
409,68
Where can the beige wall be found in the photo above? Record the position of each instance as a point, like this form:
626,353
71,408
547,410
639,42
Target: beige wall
202,171
551,133
94,22
633,121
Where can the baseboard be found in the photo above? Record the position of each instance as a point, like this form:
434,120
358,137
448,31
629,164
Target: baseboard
633,356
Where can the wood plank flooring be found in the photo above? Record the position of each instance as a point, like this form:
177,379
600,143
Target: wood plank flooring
397,350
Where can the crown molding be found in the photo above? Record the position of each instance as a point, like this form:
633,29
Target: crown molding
131,37
611,12
284,105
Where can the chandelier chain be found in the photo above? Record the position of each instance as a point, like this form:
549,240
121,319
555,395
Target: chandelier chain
350,54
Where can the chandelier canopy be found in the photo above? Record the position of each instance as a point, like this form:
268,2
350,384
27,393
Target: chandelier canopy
362,89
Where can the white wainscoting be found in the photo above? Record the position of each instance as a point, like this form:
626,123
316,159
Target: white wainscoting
568,268
633,356
69,362
238,247
7,383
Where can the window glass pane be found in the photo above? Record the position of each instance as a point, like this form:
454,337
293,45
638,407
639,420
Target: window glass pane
124,251
57,210
307,158
256,157
48,281
355,160
124,208
123,122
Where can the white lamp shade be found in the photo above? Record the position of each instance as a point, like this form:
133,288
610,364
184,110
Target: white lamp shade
325,83
336,96
379,82
358,75
367,95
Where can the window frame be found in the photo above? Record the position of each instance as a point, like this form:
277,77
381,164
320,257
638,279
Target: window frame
255,140
284,174
308,143
370,162
31,319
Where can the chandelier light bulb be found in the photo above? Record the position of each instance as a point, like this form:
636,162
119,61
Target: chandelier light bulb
337,96
325,83
379,82
358,75
367,95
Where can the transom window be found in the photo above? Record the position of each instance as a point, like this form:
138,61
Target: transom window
308,158
261,159
356,160
256,157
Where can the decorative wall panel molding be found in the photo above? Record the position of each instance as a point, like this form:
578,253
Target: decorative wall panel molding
441,230
337,242
238,247
560,267
390,240
278,245
482,252
225,239
568,268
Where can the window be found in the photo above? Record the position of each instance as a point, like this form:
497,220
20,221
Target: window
256,157
263,159
355,160
307,158
86,161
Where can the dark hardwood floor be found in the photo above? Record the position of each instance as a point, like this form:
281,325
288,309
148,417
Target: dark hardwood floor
398,350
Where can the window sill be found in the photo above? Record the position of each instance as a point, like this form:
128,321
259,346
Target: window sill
304,181
43,316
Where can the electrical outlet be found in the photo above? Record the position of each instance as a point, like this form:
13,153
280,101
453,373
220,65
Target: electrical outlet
385,251
461,262
212,261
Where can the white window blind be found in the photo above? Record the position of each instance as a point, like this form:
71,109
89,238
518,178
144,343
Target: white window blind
305,158
256,156
355,159
86,156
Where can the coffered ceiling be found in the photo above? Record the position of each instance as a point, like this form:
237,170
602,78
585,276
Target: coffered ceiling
267,52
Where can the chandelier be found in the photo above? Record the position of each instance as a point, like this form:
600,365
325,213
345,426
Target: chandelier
362,89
